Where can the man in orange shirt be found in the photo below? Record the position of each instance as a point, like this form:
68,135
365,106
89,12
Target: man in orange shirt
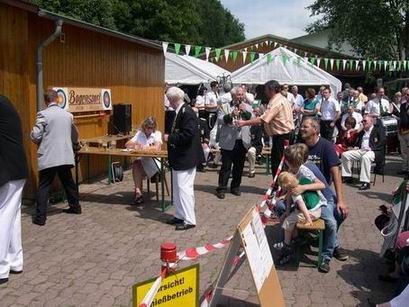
277,119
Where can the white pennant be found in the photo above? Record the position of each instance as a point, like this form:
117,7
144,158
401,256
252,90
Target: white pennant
256,46
305,59
344,63
295,51
260,55
356,64
318,62
207,49
165,47
187,49
380,65
305,54
394,65
331,62
267,42
363,64
244,55
226,54
275,44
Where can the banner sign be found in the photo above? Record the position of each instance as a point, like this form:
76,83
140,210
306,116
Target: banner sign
178,289
79,99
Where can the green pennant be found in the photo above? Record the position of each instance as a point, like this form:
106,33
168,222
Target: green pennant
269,58
252,56
351,64
218,51
233,55
284,58
326,63
369,62
399,65
337,63
312,60
177,48
197,50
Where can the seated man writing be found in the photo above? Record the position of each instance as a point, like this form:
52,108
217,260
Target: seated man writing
370,147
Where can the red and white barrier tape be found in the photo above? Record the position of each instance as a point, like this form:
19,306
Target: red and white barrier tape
148,299
194,252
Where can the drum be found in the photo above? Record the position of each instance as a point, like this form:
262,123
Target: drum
391,125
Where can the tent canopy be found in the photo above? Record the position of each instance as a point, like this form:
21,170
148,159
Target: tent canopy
285,67
185,69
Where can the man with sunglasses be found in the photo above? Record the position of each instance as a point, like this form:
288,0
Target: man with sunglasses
370,147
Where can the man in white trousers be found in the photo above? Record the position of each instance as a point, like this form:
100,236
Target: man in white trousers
13,172
184,151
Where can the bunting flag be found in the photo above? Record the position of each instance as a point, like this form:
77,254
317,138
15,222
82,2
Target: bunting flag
256,46
267,42
318,62
218,52
404,65
399,66
187,49
356,64
344,63
269,58
385,64
165,47
394,65
338,62
261,44
374,64
244,56
363,64
331,61
226,54
295,51
233,55
312,61
197,50
380,64
275,44
351,64
305,59
325,63
207,50
305,54
177,47
284,58
252,56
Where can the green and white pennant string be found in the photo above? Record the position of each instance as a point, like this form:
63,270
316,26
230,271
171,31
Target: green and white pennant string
244,52
226,54
197,50
165,47
187,49
177,48
252,56
207,50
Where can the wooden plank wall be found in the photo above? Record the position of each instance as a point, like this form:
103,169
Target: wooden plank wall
134,73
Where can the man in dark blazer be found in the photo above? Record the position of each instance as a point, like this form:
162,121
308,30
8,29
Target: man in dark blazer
13,174
183,153
370,147
55,133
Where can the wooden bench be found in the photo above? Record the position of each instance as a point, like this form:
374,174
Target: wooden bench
317,226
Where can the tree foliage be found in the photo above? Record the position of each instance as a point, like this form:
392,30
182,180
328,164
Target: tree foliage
191,22
374,28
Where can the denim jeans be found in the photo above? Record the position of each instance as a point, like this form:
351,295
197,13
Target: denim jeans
332,221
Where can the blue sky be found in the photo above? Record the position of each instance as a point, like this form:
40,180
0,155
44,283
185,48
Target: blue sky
286,18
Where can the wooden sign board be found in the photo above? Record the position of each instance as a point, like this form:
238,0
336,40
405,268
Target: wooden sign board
260,260
81,99
251,236
181,288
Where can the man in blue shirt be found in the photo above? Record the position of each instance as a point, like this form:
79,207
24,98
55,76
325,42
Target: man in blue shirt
322,153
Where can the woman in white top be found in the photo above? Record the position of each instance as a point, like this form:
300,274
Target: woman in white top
146,138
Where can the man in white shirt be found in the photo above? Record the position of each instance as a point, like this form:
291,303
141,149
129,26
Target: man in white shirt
370,148
298,101
378,106
330,112
211,99
356,115
226,97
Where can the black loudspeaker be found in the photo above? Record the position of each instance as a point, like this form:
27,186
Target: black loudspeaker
122,118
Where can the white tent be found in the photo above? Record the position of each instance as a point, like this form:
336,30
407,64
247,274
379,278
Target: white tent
185,69
285,67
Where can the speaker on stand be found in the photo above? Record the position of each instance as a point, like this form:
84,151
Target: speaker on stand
122,118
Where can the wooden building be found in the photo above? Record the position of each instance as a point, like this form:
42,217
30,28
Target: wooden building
84,56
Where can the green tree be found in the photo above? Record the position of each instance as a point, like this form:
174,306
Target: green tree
191,22
374,28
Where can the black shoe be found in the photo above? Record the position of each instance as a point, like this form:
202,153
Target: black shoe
38,221
174,221
236,192
184,226
251,175
340,254
220,194
347,179
16,272
3,280
138,200
73,210
365,186
324,267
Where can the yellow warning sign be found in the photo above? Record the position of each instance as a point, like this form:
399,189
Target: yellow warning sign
179,289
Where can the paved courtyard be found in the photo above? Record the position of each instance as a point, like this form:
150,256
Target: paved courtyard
95,258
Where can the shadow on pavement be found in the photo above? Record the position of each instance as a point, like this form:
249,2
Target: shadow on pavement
363,275
386,197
